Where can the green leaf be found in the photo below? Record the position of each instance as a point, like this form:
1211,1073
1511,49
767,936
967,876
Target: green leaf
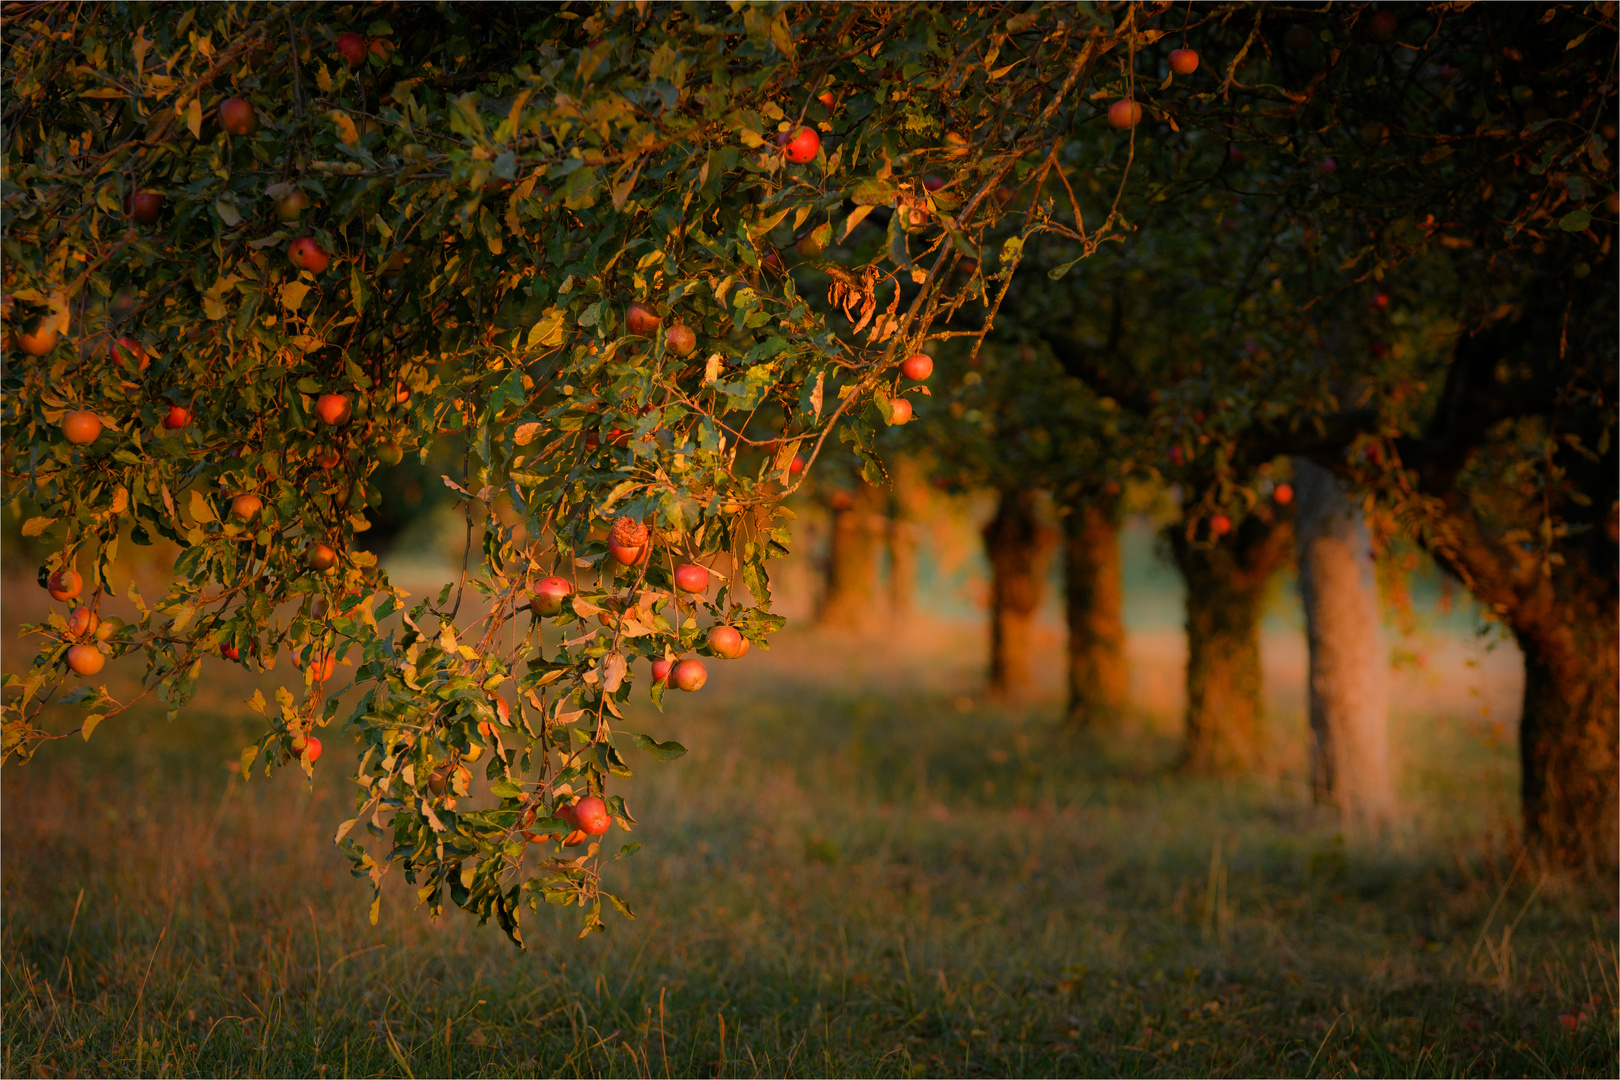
90,723
1575,220
666,751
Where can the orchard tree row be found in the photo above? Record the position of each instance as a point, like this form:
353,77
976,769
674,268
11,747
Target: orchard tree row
653,261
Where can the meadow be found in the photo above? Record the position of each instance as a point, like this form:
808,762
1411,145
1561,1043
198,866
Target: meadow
889,875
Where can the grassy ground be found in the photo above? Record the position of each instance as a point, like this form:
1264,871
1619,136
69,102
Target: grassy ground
859,869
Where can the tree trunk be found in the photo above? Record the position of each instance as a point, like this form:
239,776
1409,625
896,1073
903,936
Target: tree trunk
857,529
1018,547
1226,587
1099,679
904,511
1567,734
1349,666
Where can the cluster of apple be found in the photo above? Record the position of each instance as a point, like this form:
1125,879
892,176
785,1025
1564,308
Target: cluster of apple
1126,113
84,628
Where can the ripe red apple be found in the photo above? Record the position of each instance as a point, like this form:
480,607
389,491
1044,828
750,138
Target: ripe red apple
627,542
1328,167
237,117
1283,494
689,675
81,427
302,744
321,557
726,643
689,577
86,659
378,48
841,500
306,254
1124,114
130,348
334,408
178,417
641,319
592,815
826,98
796,466
681,339
143,207
230,652
660,670
64,584
1383,25
322,667
967,266
800,145
83,621
1380,300
899,411
917,366
1183,61
353,48
932,182
327,458
40,342
1220,524
291,206
246,507
549,594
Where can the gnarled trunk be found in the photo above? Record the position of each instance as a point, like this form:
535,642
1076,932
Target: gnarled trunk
1349,666
1568,732
858,527
1099,678
1226,587
1018,547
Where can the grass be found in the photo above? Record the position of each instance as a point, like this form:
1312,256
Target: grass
859,869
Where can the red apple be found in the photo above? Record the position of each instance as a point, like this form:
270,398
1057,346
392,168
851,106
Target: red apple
322,667
302,744
917,366
402,394
932,182
230,652
1283,494
800,145
237,117
1328,167
549,594
592,815
691,578
306,254
726,643
291,207
129,347
1177,455
956,144
86,659
1124,114
321,557
1380,300
178,417
1220,524
689,675
333,408
796,466
641,319
353,48
967,266
83,621
378,48
327,458
40,342
1183,61
841,500
1383,25
660,670
627,542
143,207
826,98
81,427
899,411
64,584
246,507
681,339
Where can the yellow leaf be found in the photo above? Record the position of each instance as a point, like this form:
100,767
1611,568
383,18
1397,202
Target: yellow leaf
194,117
345,127
292,294
323,79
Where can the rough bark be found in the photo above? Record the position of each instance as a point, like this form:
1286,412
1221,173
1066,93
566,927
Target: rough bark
1019,548
1099,678
1349,666
858,527
1226,585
